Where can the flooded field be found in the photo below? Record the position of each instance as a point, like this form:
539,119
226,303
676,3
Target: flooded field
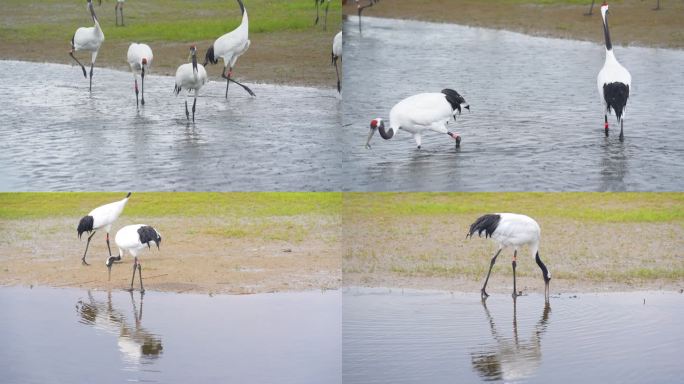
396,336
536,120
57,136
70,335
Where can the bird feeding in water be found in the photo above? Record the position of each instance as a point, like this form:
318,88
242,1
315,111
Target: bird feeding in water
101,217
420,113
190,77
118,8
337,54
139,59
88,39
230,47
614,81
133,239
511,230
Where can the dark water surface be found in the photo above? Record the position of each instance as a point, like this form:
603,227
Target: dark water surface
56,136
396,336
73,336
536,120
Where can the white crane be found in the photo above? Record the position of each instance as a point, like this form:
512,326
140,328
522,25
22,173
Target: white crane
327,6
511,230
88,39
139,59
422,112
229,47
337,54
118,8
614,81
190,77
134,238
101,217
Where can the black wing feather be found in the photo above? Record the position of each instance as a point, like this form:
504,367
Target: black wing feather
486,224
147,235
616,95
85,225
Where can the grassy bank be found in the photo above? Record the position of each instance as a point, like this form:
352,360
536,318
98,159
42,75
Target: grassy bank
286,47
212,242
632,22
590,241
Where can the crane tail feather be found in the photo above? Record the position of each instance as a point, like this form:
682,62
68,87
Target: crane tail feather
85,225
487,224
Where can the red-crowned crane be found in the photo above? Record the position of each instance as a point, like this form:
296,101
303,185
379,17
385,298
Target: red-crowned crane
230,47
139,59
422,112
88,39
190,77
101,217
337,54
511,230
133,239
614,81
118,8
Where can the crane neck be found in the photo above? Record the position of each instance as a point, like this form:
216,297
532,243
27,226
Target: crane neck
606,33
385,134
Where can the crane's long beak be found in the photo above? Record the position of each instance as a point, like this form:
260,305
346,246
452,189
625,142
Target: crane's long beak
370,136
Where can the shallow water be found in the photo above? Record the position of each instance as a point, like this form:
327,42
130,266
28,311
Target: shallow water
536,120
56,136
396,336
71,335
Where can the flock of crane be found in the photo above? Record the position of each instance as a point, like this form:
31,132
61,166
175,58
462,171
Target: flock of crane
424,112
190,77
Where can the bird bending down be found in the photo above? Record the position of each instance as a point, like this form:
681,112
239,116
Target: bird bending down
614,81
337,54
511,230
101,217
191,77
118,8
422,112
88,39
139,59
134,238
229,47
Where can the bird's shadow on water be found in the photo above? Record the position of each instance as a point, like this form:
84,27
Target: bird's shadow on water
613,165
136,344
510,357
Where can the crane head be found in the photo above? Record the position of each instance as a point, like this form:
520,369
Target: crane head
374,125
604,8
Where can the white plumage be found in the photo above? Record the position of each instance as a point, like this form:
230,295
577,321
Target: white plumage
134,239
230,47
614,81
515,231
140,60
101,217
88,39
337,54
190,77
422,112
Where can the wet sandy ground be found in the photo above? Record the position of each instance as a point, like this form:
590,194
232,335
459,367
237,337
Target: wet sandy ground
632,21
207,255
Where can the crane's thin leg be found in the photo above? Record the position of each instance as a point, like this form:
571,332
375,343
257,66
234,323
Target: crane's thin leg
71,53
605,126
108,248
483,293
515,257
193,106
91,76
325,23
140,276
591,8
317,15
86,250
187,114
622,136
338,75
246,88
136,89
116,12
122,18
142,76
230,72
135,267
657,6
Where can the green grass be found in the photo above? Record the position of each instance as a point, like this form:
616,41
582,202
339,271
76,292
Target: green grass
159,204
156,20
596,207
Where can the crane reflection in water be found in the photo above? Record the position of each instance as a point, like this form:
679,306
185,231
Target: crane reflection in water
510,358
136,344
